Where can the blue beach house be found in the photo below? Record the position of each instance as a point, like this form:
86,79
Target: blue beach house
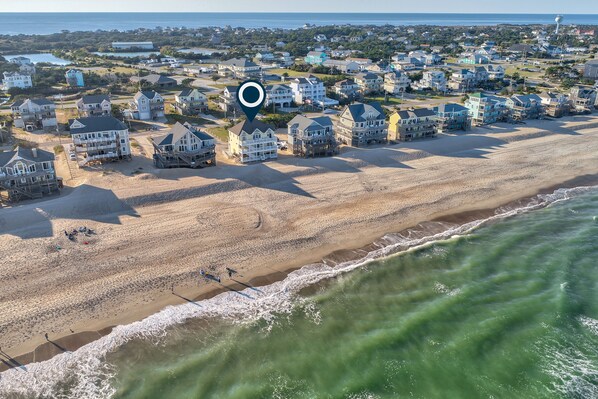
74,78
315,58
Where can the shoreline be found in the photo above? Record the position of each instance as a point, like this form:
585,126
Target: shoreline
74,341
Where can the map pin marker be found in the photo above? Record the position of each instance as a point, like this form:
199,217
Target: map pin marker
251,96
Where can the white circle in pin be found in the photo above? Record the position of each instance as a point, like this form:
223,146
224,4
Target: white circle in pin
258,101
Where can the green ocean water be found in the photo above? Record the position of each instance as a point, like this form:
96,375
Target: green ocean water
508,311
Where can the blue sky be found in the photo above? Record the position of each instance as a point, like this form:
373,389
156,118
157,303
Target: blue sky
455,6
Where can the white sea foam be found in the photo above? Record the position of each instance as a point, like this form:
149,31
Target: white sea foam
86,375
574,372
590,324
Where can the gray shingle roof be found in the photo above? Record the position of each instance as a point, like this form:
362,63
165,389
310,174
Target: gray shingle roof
250,127
366,75
346,82
357,111
177,132
309,80
239,62
304,123
158,79
95,99
147,93
416,113
97,124
25,153
39,101
277,87
450,107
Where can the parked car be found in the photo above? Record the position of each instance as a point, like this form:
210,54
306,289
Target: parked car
282,145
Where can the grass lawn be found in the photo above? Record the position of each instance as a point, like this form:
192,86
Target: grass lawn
219,132
171,119
220,86
526,74
116,69
215,110
294,74
391,100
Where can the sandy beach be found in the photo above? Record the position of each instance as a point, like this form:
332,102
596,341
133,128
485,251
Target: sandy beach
156,229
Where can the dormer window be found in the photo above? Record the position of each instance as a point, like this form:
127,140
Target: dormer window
19,168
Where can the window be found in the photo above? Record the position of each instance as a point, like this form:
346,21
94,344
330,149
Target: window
20,168
31,168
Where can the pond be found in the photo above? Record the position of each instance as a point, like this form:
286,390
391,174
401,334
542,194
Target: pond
43,57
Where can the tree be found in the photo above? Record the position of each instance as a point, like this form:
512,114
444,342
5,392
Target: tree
117,111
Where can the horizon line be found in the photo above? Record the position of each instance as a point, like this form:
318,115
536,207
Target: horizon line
281,12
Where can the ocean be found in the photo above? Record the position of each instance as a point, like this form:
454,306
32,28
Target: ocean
47,23
504,307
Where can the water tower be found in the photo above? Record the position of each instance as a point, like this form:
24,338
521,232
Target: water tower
558,20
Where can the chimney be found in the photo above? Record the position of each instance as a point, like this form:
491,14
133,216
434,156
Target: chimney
34,152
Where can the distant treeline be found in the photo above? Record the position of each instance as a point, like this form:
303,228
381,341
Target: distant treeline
372,41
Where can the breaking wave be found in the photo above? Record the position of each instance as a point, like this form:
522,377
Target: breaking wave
84,373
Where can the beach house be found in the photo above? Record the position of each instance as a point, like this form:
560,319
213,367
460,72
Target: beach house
495,72
252,141
16,80
361,124
228,100
451,117
521,107
590,70
155,80
343,66
434,80
239,68
396,82
462,81
94,105
583,98
74,78
485,109
27,173
473,59
362,62
280,96
99,139
34,113
26,67
369,83
312,137
346,89
147,105
20,60
308,90
315,57
184,146
412,124
264,57
190,101
555,105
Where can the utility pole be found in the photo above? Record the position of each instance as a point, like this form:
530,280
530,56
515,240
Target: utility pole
60,141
